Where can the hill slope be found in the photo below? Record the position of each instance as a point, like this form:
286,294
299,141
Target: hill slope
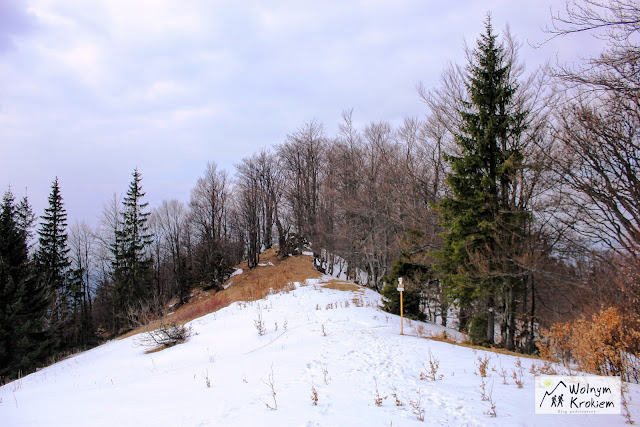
335,341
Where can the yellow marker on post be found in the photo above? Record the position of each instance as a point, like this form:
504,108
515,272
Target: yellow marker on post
401,290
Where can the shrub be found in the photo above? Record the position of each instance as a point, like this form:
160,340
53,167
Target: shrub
602,345
166,335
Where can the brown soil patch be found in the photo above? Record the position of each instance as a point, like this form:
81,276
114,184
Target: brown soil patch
343,286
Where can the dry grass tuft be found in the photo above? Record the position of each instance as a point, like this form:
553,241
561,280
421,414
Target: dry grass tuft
155,349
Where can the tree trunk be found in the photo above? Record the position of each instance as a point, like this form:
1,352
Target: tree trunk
491,324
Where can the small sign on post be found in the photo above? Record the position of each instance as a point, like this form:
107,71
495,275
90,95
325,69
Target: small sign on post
401,290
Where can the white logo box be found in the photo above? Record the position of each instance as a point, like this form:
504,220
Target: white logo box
566,395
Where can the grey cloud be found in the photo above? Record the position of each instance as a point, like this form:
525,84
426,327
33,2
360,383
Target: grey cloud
15,21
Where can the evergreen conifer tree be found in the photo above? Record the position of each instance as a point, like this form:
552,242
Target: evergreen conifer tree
478,218
26,219
132,273
53,261
24,341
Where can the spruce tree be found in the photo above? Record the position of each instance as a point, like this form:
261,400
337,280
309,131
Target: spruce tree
24,341
26,219
132,272
477,218
53,261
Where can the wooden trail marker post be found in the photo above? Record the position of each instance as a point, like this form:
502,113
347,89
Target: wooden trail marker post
401,290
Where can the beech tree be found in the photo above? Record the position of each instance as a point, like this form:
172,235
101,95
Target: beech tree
302,157
215,250
104,306
172,229
249,202
259,204
598,152
598,128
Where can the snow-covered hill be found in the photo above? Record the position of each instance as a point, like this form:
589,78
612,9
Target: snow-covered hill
334,342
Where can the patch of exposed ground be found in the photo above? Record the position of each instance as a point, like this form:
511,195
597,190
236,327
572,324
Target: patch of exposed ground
341,285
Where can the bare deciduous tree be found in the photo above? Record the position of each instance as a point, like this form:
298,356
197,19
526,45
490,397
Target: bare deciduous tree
170,221
213,255
302,158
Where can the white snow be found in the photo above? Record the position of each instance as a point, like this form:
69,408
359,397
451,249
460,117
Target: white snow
338,342
230,282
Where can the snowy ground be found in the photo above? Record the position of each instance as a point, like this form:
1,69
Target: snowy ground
337,342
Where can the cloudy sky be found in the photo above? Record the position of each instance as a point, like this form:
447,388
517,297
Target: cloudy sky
91,89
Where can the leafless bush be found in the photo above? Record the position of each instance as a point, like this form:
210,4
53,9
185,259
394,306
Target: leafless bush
488,397
518,373
431,372
259,323
378,399
502,372
421,331
207,380
625,403
140,314
395,396
546,368
416,406
314,396
325,375
167,334
483,365
270,382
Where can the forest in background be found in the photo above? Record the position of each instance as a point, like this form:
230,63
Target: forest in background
513,205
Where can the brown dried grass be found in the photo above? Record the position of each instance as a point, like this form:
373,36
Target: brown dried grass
341,285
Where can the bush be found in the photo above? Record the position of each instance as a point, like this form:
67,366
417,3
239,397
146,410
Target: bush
603,345
166,335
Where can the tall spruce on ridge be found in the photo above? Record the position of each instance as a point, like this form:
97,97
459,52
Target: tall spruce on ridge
132,260
24,340
53,261
481,225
